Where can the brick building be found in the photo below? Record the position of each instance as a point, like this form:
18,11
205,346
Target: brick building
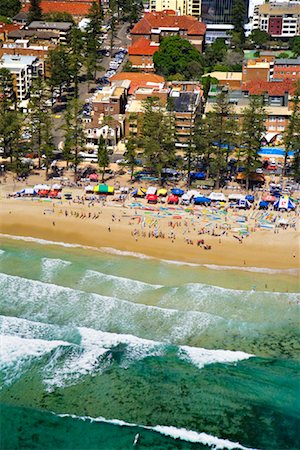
157,25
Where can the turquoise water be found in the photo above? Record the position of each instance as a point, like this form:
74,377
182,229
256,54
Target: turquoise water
99,348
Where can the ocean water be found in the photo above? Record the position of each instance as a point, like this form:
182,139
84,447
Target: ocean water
101,348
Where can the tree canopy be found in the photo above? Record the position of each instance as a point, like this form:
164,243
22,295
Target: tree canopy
178,55
9,8
35,11
295,45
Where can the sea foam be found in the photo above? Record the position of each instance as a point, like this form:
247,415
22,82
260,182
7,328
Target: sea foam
176,433
52,266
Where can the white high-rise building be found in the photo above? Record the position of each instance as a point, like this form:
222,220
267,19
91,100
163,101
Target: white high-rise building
182,7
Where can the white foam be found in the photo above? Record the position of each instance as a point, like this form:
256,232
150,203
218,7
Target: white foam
143,256
14,348
15,352
124,284
2,252
115,251
201,357
173,432
52,266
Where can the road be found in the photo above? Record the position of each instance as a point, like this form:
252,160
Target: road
121,40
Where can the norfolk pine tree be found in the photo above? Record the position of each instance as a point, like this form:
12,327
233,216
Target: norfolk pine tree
74,136
38,113
253,128
292,134
102,156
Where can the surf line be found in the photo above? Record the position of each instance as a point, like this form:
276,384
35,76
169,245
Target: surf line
173,432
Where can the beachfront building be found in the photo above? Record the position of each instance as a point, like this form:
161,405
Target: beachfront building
23,47
60,29
23,69
140,54
277,100
157,25
186,101
280,20
111,130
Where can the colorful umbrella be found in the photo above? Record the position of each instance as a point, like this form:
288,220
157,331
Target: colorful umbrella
104,189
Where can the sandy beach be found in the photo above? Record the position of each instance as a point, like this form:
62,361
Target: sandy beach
195,235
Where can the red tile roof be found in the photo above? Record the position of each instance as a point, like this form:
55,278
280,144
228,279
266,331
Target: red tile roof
143,47
8,27
256,87
165,19
138,79
75,8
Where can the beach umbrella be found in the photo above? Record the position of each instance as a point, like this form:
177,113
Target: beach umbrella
53,194
250,198
173,199
263,205
152,198
89,188
269,198
93,177
43,192
162,192
201,200
178,192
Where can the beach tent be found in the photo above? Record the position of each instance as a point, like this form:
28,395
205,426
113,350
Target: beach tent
43,192
152,198
269,198
162,192
56,187
235,197
41,187
263,205
217,197
54,194
140,192
151,190
202,200
250,198
197,175
192,193
104,189
89,188
284,203
243,204
173,199
178,192
185,199
93,177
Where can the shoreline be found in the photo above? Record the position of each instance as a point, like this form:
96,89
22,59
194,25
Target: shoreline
116,227
115,251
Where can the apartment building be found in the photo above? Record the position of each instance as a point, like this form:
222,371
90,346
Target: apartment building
287,69
280,20
60,29
77,9
140,54
23,69
182,7
277,96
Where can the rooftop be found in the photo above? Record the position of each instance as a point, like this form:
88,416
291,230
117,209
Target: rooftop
287,61
185,101
143,46
16,61
75,8
138,79
273,88
236,76
39,24
274,9
165,19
